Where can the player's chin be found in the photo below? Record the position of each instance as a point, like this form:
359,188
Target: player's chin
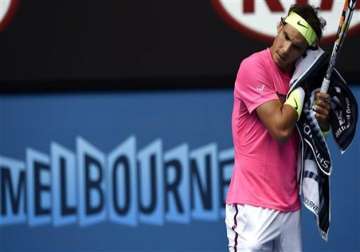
281,61
282,64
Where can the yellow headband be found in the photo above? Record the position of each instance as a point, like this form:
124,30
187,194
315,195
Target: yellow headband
302,26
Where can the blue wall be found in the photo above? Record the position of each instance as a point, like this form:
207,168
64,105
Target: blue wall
36,130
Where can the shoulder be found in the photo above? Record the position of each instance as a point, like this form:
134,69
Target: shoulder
255,65
255,61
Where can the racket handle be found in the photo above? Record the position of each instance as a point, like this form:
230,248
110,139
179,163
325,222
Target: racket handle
325,85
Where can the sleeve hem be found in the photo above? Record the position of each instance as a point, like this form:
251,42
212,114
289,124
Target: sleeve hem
262,101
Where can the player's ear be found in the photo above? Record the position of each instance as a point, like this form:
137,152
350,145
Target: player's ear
280,25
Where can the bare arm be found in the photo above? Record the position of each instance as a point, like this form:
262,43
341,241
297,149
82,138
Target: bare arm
280,119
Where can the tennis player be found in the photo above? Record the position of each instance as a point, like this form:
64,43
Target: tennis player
262,205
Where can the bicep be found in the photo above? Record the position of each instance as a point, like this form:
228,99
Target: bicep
268,113
277,118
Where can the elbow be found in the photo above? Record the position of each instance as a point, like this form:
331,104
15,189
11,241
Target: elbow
281,135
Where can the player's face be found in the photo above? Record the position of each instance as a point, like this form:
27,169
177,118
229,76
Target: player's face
287,47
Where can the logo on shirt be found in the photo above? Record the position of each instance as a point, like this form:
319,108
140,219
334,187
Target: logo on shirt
258,19
260,88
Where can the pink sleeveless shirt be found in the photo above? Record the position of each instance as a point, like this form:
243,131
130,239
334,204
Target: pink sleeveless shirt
265,170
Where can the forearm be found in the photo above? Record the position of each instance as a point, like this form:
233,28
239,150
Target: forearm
324,126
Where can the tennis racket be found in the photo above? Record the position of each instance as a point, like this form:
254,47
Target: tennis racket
345,19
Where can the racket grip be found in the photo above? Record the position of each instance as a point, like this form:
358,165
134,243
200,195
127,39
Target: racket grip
325,85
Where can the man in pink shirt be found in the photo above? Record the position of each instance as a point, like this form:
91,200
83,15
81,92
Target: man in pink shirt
262,206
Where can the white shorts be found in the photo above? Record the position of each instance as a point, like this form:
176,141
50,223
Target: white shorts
252,228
